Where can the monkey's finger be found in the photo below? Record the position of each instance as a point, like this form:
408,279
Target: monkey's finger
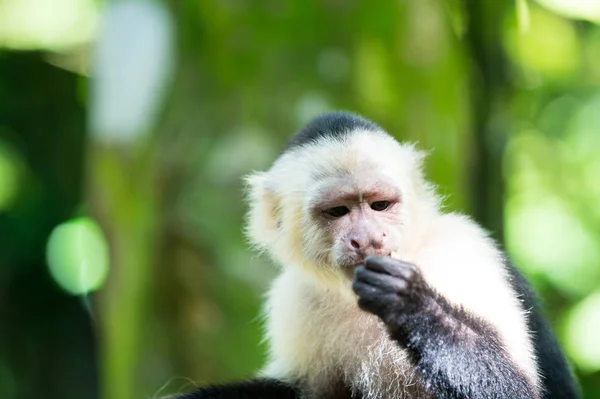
393,267
366,291
380,305
384,282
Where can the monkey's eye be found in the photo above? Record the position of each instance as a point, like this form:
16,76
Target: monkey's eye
337,211
380,205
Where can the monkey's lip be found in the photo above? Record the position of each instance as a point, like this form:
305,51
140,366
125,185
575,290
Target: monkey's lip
351,265
355,263
352,262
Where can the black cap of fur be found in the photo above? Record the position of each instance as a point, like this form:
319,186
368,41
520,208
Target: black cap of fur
334,125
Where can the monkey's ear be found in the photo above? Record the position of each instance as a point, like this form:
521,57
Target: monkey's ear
262,220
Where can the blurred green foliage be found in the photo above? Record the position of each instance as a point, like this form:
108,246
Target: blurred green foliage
506,95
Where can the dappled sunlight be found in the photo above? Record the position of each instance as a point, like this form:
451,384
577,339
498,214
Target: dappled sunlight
547,238
552,211
549,45
580,9
47,24
582,331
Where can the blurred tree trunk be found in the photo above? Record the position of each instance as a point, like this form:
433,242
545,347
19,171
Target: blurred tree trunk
490,90
121,194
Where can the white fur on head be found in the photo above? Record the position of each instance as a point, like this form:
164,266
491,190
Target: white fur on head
279,220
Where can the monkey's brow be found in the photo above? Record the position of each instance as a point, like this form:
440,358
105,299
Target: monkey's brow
333,196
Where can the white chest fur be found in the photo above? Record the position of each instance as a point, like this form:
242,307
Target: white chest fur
313,332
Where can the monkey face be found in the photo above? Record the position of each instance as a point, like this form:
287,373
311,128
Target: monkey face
358,216
325,206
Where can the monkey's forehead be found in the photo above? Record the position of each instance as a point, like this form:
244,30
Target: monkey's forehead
356,151
361,158
340,144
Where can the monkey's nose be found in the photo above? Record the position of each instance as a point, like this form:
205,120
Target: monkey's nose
367,244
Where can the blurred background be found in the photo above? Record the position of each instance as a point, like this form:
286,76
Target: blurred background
123,269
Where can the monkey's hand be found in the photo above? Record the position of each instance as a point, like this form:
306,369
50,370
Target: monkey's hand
391,289
457,354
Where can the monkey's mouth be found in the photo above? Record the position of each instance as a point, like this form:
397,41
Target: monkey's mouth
351,262
353,266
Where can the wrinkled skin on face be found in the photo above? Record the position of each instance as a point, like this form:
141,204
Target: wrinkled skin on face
358,219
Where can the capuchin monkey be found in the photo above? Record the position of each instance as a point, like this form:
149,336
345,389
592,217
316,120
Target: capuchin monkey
381,294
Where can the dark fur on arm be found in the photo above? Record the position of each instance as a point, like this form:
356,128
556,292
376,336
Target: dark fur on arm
263,388
457,354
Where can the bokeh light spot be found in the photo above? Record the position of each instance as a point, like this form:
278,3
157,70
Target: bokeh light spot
582,332
549,45
77,255
310,105
547,238
583,136
333,65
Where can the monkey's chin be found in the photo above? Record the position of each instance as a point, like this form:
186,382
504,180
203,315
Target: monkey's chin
348,269
350,264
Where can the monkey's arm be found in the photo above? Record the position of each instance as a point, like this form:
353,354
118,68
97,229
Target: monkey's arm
259,388
457,354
